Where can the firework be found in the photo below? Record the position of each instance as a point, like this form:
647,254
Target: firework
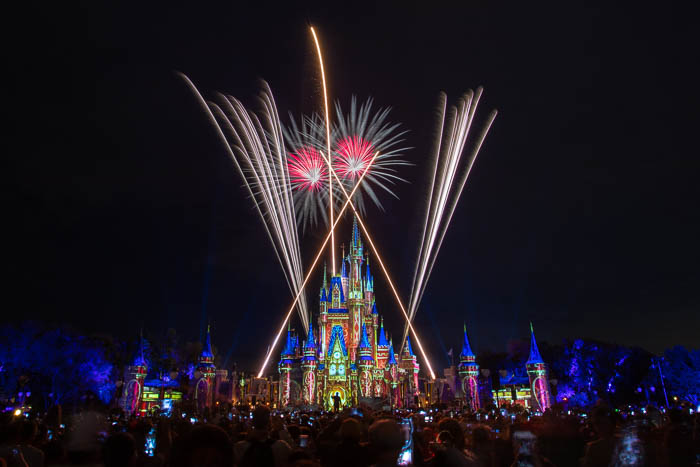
446,185
355,137
351,156
307,170
256,146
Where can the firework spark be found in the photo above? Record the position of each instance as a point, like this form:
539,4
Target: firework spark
446,185
307,170
351,156
256,146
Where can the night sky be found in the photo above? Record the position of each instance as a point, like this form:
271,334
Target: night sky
580,215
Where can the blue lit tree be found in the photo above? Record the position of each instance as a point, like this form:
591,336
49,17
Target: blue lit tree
54,366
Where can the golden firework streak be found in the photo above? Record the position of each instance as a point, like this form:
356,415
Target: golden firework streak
328,147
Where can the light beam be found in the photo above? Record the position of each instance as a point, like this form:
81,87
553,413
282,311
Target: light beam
328,145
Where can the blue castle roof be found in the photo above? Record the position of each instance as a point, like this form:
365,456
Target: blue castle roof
343,270
535,356
336,281
374,309
337,334
323,295
392,358
206,351
355,232
289,344
408,346
364,342
139,359
382,336
466,348
310,343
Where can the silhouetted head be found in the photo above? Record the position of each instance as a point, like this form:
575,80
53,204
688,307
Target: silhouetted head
261,418
119,450
204,446
386,440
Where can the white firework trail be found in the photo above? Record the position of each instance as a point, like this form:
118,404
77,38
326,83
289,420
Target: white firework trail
446,185
256,146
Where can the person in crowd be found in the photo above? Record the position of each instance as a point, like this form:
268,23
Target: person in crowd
260,449
350,451
456,452
204,446
119,450
600,450
385,442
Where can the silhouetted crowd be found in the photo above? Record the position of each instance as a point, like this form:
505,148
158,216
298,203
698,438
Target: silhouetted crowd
256,437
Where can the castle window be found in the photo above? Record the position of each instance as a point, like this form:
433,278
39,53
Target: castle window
332,370
341,369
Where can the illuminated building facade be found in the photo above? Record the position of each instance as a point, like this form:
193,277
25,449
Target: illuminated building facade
469,374
347,353
531,390
142,394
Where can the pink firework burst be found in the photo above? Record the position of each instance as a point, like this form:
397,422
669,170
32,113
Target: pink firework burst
307,169
352,155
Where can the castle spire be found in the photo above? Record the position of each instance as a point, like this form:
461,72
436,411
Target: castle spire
535,356
310,343
355,232
466,348
364,341
289,344
206,351
382,335
392,358
325,276
140,360
409,349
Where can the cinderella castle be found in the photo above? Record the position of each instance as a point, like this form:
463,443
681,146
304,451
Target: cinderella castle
347,355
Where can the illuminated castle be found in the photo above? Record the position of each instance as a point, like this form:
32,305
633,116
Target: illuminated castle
347,353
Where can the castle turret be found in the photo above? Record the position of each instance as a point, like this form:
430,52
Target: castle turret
409,363
308,366
394,372
537,373
373,330
285,369
469,374
206,372
132,395
365,364
382,347
323,315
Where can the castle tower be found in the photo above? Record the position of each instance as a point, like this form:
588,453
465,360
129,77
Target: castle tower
308,366
369,284
285,369
382,348
323,316
409,363
365,364
356,305
134,378
203,389
394,373
469,374
537,373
